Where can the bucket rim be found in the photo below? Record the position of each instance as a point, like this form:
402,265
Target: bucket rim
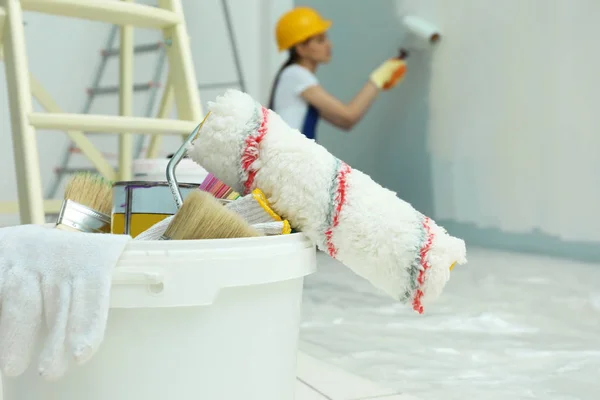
181,273
208,245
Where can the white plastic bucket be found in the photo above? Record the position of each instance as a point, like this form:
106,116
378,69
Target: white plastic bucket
211,319
155,169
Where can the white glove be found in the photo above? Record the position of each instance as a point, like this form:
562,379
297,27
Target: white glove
65,275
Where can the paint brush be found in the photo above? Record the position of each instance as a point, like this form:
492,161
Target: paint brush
87,204
202,216
254,208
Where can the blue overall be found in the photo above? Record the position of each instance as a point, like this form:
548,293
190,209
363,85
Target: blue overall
309,128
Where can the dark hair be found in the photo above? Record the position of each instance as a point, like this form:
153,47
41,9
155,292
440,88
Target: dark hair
292,59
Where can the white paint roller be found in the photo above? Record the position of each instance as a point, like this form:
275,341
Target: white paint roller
422,33
347,214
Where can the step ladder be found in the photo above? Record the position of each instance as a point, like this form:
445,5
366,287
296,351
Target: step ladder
109,51
167,17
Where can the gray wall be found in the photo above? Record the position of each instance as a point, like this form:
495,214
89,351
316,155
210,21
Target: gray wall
390,143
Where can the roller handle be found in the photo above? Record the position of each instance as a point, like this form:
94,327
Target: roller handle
174,161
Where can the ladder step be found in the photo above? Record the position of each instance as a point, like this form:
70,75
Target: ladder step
112,12
217,85
138,87
110,124
140,48
74,170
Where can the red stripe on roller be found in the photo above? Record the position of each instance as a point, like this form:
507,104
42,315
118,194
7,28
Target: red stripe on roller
251,151
417,306
339,201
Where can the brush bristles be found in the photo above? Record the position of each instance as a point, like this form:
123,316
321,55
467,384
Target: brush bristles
90,190
203,217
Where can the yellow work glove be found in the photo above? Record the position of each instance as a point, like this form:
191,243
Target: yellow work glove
388,74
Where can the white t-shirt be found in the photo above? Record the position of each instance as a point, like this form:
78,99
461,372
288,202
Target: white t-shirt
290,105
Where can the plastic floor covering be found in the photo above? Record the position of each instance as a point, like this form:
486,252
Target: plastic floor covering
508,326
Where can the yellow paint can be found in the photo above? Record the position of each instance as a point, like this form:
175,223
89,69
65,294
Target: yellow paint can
137,205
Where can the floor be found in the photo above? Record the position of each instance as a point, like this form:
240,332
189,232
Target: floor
317,380
508,326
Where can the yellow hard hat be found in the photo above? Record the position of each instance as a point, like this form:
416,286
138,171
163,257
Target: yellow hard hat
297,25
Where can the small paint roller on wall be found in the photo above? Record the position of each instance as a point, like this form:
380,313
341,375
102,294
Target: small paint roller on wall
421,35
